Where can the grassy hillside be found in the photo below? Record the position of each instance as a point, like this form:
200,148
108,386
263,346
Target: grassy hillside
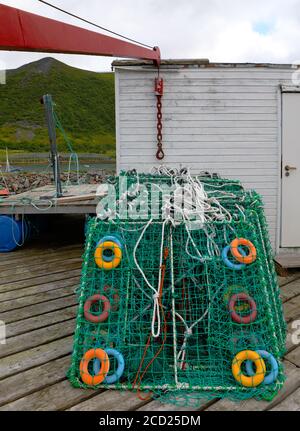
84,102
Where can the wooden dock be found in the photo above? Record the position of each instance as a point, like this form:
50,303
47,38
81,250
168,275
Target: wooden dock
77,199
285,261
38,304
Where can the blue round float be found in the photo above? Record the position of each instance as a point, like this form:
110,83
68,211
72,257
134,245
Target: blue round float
13,233
230,264
113,378
272,376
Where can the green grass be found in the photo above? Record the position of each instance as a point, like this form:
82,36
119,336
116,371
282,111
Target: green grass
84,102
3,152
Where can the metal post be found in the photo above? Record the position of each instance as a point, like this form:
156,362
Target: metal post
47,102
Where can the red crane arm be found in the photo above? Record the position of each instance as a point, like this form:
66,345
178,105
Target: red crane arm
24,31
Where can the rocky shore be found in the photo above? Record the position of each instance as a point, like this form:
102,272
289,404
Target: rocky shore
21,182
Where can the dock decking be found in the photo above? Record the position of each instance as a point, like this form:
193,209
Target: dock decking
38,305
40,200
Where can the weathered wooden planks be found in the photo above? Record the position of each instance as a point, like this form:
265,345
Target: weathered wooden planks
42,197
14,304
40,313
44,269
59,396
291,384
288,279
37,309
294,356
10,266
110,400
37,250
291,403
39,355
34,290
291,308
38,337
41,321
37,281
26,271
34,379
288,260
290,290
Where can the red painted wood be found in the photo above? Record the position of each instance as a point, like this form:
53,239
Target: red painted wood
24,31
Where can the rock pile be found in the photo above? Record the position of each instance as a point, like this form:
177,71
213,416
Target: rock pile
21,182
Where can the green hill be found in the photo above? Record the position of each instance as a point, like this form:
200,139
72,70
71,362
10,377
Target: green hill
84,102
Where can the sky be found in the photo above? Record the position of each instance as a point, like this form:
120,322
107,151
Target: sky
220,30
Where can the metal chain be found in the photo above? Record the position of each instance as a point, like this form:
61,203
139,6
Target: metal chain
159,93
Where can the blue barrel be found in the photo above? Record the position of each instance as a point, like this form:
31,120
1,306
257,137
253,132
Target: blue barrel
13,233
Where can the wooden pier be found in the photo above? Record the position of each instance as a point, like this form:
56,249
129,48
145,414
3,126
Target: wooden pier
38,305
77,199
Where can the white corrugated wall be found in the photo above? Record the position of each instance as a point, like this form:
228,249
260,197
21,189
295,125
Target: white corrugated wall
225,120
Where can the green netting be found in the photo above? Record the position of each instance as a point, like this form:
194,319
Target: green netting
174,272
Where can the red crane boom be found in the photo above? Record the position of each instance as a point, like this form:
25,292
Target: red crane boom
24,31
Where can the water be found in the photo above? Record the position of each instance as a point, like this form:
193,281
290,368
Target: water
84,167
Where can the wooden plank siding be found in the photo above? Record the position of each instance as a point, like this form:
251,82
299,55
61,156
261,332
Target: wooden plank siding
221,119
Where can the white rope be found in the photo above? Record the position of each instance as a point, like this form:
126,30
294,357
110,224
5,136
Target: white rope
135,259
75,157
23,236
200,206
156,311
156,318
156,297
42,209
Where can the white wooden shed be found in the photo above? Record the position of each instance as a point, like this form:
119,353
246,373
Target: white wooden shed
240,120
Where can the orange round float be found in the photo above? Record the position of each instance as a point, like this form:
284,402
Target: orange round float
86,377
234,248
